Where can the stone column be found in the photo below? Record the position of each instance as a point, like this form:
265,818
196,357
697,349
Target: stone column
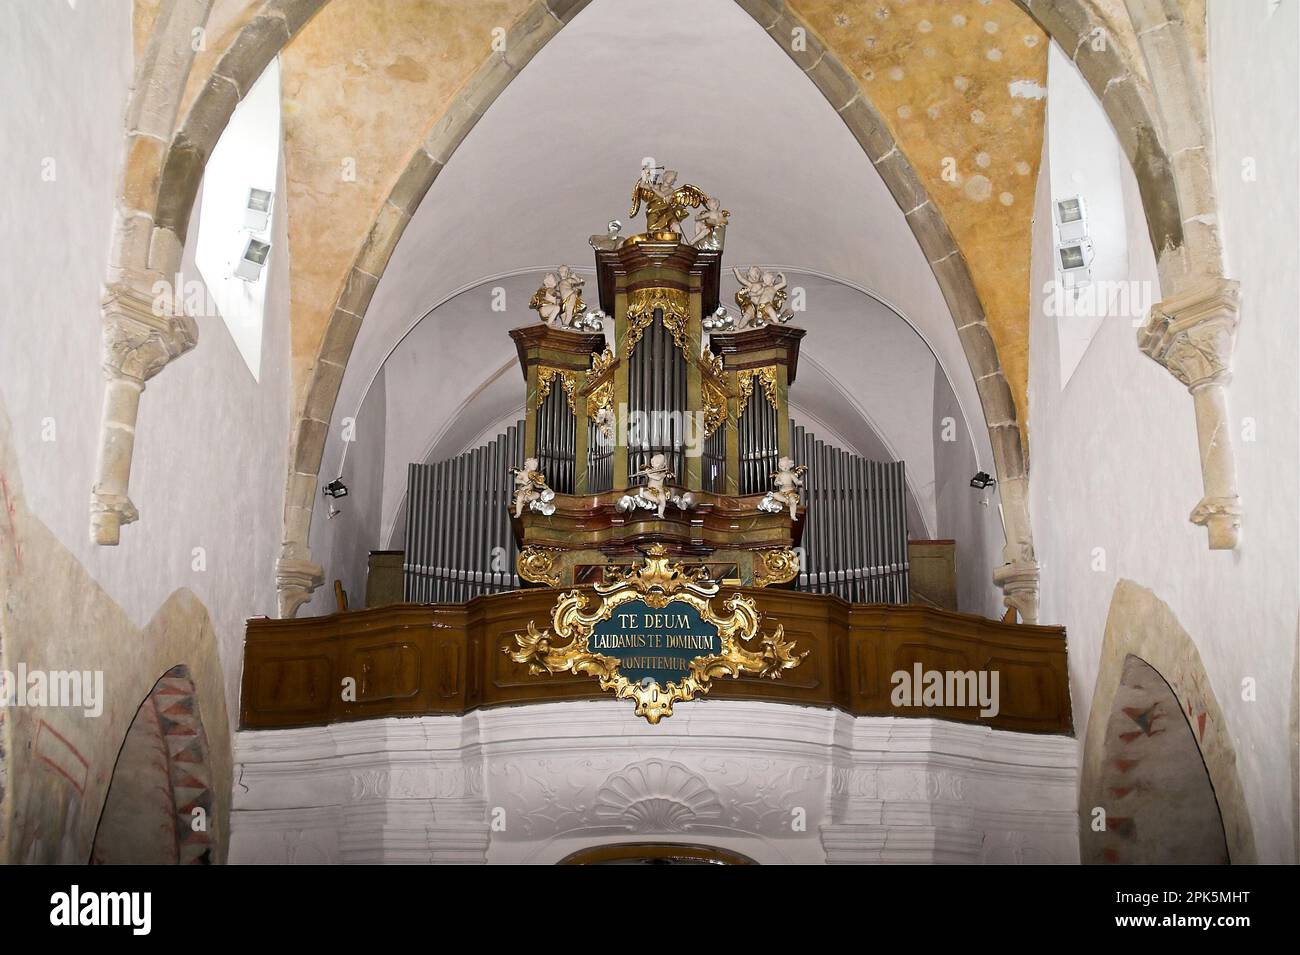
1193,335
296,578
1019,576
142,333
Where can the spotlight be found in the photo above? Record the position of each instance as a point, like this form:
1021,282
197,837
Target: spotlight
250,266
1074,260
1071,219
336,488
258,211
982,481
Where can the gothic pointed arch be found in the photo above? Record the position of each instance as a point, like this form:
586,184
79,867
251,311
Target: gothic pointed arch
1154,729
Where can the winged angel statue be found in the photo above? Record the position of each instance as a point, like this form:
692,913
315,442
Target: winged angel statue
666,203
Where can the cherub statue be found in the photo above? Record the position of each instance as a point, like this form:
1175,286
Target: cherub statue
710,225
559,301
531,489
788,480
546,301
569,288
666,203
655,474
761,297
654,496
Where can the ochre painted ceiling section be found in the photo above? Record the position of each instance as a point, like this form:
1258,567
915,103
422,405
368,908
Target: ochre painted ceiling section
363,82
962,85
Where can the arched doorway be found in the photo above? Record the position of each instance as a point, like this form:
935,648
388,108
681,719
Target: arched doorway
655,853
1159,803
160,809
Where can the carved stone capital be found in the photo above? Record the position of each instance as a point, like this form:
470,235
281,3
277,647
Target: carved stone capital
1019,583
142,331
295,581
1193,334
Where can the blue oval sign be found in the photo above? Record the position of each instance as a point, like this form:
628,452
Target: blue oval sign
655,644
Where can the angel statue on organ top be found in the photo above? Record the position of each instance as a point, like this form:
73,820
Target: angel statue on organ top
531,489
710,225
546,301
666,203
761,297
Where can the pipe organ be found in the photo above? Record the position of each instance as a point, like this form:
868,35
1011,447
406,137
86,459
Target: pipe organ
640,428
855,540
458,540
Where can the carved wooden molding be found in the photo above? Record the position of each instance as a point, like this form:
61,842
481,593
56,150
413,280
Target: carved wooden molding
1193,335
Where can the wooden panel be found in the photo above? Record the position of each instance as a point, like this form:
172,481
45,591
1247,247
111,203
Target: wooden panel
412,660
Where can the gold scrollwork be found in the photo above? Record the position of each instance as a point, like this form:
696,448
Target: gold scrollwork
600,394
546,374
711,363
779,565
715,405
601,362
537,565
641,307
767,381
658,583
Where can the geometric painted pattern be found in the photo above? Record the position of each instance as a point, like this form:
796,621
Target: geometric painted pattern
161,777
1160,805
186,746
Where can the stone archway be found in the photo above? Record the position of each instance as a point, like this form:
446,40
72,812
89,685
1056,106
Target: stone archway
161,784
1155,733
1159,804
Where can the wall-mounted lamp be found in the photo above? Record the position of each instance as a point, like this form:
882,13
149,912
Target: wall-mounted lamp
257,214
250,266
982,481
1074,261
1071,218
336,489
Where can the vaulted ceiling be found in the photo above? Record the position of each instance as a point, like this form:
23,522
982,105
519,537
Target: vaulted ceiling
960,84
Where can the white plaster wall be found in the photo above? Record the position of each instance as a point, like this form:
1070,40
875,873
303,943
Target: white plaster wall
210,445
970,517
1116,464
532,784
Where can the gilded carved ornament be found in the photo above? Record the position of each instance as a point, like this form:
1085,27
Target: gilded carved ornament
776,566
641,306
537,565
766,380
600,394
569,379
657,583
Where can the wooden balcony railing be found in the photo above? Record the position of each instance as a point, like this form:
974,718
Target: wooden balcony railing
413,660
